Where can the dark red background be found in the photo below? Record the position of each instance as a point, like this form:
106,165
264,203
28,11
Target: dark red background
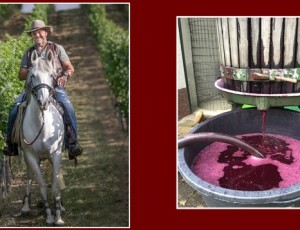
153,117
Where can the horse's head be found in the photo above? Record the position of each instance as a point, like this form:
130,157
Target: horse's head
41,80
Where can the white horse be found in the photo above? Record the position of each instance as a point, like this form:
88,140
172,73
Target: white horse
42,134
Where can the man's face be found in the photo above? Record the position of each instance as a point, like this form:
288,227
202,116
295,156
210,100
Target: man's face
39,37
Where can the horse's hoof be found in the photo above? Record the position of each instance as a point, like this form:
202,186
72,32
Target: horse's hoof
59,223
49,224
50,221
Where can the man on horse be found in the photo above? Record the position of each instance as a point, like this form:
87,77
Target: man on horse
39,32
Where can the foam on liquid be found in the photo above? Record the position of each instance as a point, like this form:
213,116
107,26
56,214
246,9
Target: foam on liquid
230,167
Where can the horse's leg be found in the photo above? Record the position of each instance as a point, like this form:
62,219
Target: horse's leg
35,166
56,174
48,165
26,201
62,184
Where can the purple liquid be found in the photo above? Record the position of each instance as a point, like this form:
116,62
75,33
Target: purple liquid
229,167
263,128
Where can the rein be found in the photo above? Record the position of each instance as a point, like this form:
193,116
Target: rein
30,143
33,92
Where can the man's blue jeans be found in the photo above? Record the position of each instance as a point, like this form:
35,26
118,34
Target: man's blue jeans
61,97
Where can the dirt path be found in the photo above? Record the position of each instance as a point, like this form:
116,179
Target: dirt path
97,189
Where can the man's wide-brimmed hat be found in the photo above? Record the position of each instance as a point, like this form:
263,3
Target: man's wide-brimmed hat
38,25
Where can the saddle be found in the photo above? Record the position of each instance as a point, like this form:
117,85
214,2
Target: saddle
16,131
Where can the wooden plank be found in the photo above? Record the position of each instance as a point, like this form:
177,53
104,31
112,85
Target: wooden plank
220,40
243,42
226,41
255,43
277,41
289,42
298,46
232,24
265,42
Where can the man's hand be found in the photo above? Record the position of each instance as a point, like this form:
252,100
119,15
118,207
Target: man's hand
62,81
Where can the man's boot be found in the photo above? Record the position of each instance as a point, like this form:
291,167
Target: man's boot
74,151
10,149
74,147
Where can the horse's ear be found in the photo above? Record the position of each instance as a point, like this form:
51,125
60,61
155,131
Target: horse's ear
50,55
34,56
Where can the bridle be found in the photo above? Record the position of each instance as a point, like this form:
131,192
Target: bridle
40,86
34,90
